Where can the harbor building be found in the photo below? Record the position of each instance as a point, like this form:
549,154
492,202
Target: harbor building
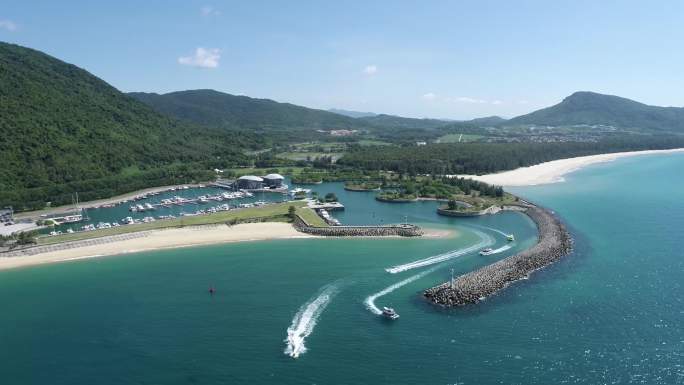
6,215
273,181
249,182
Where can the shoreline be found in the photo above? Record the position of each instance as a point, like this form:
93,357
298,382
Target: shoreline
161,240
555,170
174,238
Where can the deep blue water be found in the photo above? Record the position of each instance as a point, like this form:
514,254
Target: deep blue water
610,313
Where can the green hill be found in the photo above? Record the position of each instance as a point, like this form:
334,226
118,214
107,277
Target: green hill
64,130
589,108
213,108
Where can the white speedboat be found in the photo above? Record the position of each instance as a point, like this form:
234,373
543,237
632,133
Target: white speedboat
487,251
389,313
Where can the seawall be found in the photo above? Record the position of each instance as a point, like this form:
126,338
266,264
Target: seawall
554,242
404,230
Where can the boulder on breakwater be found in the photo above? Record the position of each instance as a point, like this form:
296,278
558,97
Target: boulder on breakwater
403,230
553,243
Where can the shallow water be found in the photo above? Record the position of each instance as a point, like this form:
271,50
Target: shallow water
610,313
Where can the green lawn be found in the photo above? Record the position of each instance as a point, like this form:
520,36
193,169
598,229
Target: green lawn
454,138
272,213
370,142
266,170
310,217
310,155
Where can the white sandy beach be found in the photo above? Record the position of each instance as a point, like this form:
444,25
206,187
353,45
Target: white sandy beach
164,239
553,172
181,237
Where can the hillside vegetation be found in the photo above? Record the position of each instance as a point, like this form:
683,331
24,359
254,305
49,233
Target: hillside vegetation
64,130
213,108
591,108
483,158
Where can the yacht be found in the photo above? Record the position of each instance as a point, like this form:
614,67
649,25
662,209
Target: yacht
300,190
487,251
389,313
149,206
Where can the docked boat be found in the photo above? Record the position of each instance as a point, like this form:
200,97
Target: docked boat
487,251
389,313
149,206
510,237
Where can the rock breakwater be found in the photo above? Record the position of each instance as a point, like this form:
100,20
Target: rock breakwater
404,230
553,243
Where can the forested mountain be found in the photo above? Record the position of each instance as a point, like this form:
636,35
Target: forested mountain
64,130
352,114
486,121
597,109
213,108
398,122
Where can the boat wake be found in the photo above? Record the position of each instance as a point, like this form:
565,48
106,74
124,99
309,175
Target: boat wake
485,240
490,229
304,321
501,249
370,300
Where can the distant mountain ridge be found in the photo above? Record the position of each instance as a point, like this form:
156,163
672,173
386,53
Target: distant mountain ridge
592,108
219,109
352,114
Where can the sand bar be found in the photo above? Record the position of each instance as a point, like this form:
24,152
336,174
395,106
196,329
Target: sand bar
553,172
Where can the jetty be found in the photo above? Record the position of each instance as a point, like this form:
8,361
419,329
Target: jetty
401,230
554,242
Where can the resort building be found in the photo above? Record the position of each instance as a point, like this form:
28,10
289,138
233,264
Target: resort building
249,182
6,215
273,181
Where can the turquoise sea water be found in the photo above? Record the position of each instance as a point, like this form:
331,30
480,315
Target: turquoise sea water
610,313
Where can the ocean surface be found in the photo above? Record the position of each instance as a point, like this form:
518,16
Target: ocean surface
611,313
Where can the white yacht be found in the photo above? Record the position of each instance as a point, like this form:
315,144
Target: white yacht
389,313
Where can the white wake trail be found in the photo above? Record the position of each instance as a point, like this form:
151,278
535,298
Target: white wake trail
485,240
304,321
491,229
370,300
501,249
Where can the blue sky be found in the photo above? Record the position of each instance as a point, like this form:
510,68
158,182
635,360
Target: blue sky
446,59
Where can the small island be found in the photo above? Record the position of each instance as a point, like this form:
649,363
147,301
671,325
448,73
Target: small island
363,186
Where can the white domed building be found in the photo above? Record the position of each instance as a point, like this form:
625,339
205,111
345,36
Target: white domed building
273,181
249,182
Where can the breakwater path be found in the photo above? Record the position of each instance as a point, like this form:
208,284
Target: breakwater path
553,243
403,230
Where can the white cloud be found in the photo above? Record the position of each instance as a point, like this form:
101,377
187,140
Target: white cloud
208,10
496,102
203,58
429,96
370,70
465,99
8,25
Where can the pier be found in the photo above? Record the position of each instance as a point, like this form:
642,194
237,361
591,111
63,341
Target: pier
554,242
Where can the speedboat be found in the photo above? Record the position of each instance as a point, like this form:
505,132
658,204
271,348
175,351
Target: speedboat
389,313
510,237
486,251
